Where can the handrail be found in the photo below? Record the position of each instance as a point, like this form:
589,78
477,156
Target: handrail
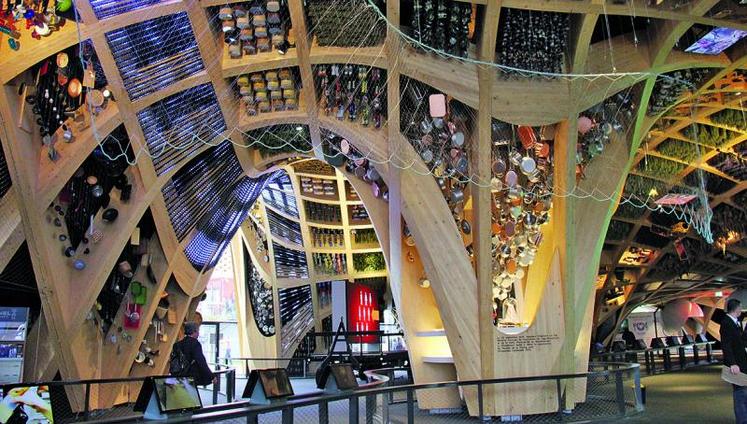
107,380
291,404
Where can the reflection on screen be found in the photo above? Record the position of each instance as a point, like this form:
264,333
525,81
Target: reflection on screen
344,376
716,41
276,383
26,405
177,394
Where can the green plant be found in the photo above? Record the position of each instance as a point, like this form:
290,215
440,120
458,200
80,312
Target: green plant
731,118
641,186
708,135
618,230
660,168
626,210
682,150
368,262
279,139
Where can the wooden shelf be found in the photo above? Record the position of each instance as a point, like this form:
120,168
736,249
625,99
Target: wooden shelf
369,249
13,63
52,176
323,177
328,249
321,199
124,351
327,225
370,56
279,212
257,62
264,119
287,244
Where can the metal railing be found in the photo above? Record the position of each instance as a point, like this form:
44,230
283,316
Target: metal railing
700,354
607,391
113,398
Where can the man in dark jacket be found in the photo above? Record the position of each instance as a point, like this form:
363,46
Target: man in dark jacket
192,349
735,357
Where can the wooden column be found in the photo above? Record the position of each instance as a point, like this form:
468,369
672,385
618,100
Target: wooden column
482,199
303,48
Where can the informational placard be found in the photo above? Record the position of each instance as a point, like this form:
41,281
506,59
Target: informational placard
525,342
13,324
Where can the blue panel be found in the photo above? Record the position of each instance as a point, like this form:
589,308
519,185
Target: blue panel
207,176
223,218
5,182
108,8
178,125
154,54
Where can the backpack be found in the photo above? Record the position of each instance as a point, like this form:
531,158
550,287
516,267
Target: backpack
179,365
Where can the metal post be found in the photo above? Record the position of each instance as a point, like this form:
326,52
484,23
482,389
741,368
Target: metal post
683,359
230,385
287,415
560,399
637,387
410,407
353,410
696,359
252,419
323,412
480,407
370,408
87,402
216,389
217,341
709,353
385,408
620,393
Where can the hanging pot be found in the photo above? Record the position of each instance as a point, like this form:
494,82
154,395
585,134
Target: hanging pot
372,175
74,88
515,158
457,195
527,136
528,165
426,126
499,167
457,139
511,179
427,156
345,147
225,13
466,227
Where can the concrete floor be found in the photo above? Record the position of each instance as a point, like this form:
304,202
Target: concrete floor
696,395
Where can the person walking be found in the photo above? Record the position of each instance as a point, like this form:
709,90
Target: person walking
735,357
188,359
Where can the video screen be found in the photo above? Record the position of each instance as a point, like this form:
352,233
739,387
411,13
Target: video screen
177,394
26,404
344,376
276,383
716,41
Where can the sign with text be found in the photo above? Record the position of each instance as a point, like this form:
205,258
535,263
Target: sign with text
525,342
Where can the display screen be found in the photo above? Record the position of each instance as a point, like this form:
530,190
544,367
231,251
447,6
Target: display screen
26,404
176,394
344,376
362,303
275,383
716,41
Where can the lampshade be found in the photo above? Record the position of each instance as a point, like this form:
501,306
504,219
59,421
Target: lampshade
674,314
695,311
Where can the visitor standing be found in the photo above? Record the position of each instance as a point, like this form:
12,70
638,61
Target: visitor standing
735,357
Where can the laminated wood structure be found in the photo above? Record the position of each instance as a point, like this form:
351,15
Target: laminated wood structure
559,289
